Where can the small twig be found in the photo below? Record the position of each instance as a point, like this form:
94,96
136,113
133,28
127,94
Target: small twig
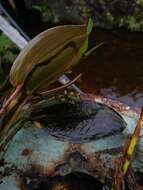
93,49
61,88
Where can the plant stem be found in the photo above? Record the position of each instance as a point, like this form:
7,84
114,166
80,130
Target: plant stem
11,121
132,144
131,148
11,98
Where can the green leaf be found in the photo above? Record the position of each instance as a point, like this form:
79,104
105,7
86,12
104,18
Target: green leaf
42,49
89,26
84,47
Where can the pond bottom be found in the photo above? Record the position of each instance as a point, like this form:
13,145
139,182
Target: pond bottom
72,181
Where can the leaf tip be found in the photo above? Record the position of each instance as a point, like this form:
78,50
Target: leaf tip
89,26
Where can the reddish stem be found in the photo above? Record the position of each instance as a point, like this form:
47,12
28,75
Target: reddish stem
11,98
139,125
61,87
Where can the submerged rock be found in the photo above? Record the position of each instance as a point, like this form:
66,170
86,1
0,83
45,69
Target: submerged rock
34,154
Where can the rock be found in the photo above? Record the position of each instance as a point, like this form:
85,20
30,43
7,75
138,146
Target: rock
106,13
35,154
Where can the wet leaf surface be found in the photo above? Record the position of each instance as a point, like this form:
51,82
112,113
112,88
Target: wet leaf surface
80,122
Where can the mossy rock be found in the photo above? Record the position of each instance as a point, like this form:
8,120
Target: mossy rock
106,13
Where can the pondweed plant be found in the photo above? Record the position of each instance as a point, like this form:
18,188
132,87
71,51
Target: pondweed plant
40,63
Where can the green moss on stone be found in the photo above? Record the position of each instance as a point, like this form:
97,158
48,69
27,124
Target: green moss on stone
47,14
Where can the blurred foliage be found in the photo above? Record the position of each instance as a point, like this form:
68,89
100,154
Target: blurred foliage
47,14
140,2
130,23
5,43
8,50
106,13
8,53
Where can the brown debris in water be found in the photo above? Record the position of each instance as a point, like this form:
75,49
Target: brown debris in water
26,152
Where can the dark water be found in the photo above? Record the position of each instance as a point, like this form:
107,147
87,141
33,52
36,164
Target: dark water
82,121
115,70
73,181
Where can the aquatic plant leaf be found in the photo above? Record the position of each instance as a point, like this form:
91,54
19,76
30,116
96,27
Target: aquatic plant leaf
42,49
43,60
80,122
48,72
36,58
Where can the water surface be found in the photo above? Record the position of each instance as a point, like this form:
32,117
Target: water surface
115,70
